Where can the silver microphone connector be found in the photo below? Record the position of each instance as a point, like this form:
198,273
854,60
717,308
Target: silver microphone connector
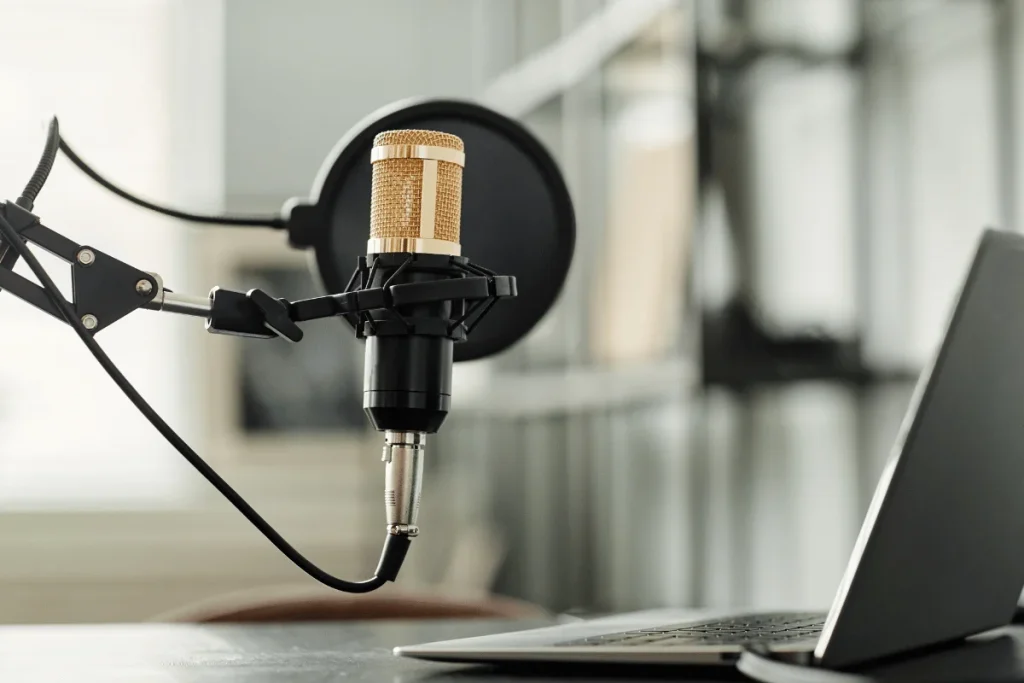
403,480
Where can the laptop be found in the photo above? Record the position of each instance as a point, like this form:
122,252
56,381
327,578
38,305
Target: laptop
940,555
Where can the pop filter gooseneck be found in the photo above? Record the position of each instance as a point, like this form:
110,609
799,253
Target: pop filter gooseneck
517,216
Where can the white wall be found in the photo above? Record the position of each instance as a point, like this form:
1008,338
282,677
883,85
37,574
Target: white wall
933,181
67,436
336,62
167,138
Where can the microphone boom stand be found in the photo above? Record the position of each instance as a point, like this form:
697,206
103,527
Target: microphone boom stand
105,289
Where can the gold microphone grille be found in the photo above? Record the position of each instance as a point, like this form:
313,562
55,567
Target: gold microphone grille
417,188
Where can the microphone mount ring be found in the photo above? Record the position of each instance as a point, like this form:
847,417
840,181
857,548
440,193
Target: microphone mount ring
463,283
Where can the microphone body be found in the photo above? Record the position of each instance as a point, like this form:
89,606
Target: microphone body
407,382
414,235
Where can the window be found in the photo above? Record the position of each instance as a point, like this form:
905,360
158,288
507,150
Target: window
68,438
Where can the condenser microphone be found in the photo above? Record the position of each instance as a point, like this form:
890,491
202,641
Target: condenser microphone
421,302
415,207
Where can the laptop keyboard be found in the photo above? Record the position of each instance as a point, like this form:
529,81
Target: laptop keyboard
740,630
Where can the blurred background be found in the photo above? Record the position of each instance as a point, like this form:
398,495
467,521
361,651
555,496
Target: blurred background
776,201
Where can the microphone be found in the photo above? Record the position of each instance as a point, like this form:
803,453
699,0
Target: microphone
415,213
414,298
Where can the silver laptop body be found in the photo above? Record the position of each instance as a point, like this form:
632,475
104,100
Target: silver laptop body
940,555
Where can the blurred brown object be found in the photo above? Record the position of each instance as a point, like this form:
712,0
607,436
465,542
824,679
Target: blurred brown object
291,604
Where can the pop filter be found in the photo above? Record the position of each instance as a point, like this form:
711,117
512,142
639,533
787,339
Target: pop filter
517,216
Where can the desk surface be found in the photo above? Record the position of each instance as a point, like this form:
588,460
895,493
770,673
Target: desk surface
354,652
157,653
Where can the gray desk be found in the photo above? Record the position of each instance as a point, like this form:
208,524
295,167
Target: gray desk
155,653
361,651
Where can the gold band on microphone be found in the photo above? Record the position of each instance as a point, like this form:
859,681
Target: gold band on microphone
428,199
452,156
412,245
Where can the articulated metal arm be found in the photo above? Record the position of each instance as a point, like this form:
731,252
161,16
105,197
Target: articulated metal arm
105,289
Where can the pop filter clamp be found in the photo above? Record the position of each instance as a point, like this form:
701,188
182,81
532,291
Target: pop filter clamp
105,289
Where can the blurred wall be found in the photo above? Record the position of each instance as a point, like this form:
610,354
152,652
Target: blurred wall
865,145
255,94
298,75
585,455
542,437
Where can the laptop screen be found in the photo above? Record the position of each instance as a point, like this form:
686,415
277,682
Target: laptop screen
941,552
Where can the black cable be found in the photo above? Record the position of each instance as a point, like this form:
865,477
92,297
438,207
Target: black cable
275,222
395,546
35,184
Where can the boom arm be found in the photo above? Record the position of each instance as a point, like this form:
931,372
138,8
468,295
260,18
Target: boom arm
105,289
